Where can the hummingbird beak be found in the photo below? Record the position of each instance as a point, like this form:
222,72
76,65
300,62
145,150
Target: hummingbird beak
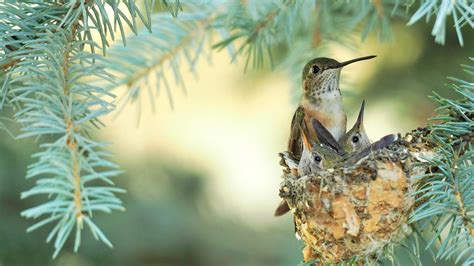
360,118
325,137
343,64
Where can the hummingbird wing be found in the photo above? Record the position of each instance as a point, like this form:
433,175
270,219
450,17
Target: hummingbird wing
384,142
325,137
295,144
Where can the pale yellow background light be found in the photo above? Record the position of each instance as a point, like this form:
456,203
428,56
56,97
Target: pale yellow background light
232,129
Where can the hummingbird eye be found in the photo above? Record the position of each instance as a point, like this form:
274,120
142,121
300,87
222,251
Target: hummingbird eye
317,158
355,139
315,69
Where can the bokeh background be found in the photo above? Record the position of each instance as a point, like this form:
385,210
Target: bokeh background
202,177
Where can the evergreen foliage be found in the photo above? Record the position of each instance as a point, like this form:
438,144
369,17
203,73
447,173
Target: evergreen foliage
172,41
46,71
56,80
446,197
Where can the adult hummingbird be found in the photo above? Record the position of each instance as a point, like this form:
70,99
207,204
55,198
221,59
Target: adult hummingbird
315,156
321,99
356,138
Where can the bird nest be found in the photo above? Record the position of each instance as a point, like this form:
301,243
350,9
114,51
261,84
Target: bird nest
356,209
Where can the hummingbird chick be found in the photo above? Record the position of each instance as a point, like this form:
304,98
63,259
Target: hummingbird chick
356,138
321,100
382,143
315,156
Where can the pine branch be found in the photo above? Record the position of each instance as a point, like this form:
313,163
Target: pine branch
19,24
45,87
56,103
173,6
92,13
70,161
144,64
446,199
257,24
461,10
94,17
372,16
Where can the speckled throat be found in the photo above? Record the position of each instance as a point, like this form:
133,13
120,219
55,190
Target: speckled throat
317,88
322,100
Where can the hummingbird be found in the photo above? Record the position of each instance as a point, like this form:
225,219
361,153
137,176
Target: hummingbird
382,143
356,138
315,156
321,99
318,156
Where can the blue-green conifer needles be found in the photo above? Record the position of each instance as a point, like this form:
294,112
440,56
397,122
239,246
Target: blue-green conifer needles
57,90
446,197
55,66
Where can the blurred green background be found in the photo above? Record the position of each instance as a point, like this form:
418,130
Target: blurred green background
202,178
